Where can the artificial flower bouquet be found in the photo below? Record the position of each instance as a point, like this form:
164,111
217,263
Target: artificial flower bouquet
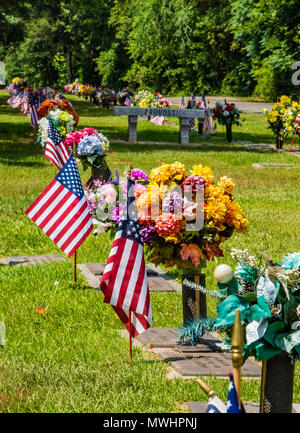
268,297
281,118
91,147
106,201
226,114
162,102
145,99
168,233
17,80
62,120
174,240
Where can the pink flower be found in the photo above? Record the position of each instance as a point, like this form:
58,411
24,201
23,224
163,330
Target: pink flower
167,224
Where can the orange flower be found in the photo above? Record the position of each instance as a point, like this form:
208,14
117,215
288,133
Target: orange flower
193,252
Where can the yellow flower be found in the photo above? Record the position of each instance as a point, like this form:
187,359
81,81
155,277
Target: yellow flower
205,172
285,99
167,173
290,128
227,184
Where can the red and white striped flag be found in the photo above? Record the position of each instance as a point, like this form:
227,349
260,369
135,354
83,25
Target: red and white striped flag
15,100
127,101
55,150
34,116
124,281
61,211
158,120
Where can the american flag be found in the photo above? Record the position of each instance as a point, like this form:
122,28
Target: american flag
34,115
232,400
158,120
61,211
192,105
124,281
25,103
182,103
127,101
15,100
55,150
215,405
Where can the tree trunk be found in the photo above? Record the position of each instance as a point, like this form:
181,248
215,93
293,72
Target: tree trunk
69,64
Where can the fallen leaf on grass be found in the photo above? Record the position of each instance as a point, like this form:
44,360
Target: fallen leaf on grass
40,310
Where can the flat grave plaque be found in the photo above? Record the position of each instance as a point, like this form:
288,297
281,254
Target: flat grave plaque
158,281
31,260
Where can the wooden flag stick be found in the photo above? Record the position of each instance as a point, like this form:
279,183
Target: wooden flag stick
237,343
293,138
75,268
130,337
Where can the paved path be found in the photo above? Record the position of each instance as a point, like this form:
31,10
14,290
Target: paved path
244,106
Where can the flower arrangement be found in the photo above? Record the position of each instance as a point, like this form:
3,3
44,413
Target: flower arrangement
17,80
91,147
268,297
166,233
163,102
226,114
106,201
290,117
281,117
50,104
62,120
173,242
145,99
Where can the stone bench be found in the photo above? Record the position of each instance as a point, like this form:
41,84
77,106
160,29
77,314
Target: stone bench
183,114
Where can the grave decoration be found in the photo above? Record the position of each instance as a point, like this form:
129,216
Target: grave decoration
90,147
282,118
106,201
168,233
63,120
227,114
268,297
172,243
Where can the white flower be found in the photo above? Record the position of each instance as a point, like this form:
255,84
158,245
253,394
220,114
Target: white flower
226,113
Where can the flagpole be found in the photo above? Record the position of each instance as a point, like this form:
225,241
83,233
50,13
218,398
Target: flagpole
75,268
129,313
130,336
237,343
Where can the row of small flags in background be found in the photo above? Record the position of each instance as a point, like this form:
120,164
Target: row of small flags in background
27,102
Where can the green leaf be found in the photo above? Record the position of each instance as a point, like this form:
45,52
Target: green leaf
227,309
261,309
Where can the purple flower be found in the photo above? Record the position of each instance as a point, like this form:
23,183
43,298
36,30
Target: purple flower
116,213
172,203
137,173
146,234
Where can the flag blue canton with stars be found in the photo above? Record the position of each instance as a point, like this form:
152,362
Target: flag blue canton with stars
232,400
53,133
69,178
129,224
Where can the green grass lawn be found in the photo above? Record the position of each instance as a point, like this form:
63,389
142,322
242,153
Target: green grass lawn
73,359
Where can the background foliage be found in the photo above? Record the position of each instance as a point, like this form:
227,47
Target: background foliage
237,47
